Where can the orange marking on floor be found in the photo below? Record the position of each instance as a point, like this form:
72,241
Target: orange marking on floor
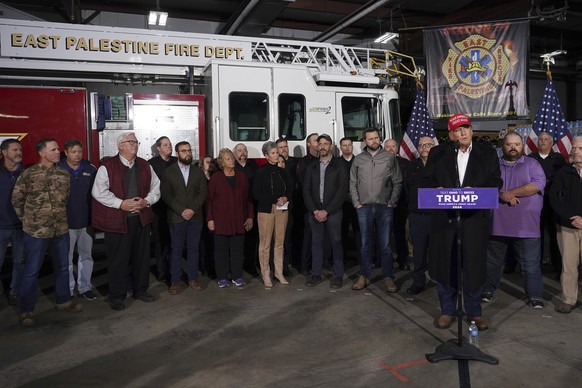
393,369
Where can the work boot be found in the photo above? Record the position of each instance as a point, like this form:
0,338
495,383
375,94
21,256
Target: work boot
362,283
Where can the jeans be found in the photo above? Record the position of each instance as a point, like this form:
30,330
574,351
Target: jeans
188,232
14,236
85,263
526,252
448,299
333,227
381,217
34,251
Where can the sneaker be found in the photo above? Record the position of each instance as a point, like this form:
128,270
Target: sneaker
390,285
26,320
486,297
70,307
535,303
89,295
313,281
336,283
223,283
362,283
239,282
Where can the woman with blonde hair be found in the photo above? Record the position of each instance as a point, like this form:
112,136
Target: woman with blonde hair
272,190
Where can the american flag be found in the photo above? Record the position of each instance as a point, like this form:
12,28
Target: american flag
550,119
419,125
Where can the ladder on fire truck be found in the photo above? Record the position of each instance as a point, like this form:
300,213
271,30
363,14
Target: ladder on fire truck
330,62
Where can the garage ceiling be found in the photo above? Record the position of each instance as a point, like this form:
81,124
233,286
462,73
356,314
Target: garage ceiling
555,24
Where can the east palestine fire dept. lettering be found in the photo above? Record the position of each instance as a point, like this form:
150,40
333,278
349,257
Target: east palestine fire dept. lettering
127,46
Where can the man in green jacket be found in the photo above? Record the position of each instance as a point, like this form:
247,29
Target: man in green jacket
183,190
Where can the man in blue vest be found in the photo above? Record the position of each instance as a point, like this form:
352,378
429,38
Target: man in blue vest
79,217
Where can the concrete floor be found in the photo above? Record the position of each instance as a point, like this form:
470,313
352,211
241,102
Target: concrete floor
289,336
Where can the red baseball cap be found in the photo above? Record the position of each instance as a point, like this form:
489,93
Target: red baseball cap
458,120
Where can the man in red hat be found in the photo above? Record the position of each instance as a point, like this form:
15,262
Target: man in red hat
460,163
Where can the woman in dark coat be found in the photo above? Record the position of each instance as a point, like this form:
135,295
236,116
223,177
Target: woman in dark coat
229,214
272,189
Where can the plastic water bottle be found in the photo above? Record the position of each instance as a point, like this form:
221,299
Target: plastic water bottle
474,334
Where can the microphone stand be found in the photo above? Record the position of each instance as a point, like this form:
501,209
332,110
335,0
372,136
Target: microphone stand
458,349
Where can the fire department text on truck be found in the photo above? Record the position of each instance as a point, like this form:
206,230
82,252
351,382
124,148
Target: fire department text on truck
126,46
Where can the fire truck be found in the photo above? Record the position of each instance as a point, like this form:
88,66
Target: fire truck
214,91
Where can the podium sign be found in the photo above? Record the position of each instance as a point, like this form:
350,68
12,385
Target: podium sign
463,198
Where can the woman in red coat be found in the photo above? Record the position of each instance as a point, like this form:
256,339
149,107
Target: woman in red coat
229,215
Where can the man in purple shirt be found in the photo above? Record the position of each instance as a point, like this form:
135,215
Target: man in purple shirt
516,223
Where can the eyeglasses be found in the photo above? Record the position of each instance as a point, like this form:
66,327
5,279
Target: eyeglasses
426,145
188,151
131,142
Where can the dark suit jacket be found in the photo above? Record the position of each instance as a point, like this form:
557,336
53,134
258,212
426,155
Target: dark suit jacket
334,187
482,171
551,165
179,197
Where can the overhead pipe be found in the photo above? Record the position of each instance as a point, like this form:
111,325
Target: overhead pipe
241,17
348,20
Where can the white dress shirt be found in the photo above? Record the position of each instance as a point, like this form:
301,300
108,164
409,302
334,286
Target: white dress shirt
462,160
103,195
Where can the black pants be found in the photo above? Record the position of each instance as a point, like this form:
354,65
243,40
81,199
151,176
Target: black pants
419,232
161,241
228,256
400,240
350,218
251,251
123,250
547,223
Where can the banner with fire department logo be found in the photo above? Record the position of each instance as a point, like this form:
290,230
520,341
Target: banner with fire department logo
479,70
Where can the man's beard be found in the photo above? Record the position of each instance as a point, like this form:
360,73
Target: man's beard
512,157
187,160
374,147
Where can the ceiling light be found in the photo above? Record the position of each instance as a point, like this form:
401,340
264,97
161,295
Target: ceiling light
385,38
158,18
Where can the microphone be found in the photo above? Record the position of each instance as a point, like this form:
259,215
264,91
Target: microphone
457,145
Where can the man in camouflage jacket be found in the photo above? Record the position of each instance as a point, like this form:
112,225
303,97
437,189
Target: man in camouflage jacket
40,202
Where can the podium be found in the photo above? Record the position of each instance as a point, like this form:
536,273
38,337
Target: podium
459,199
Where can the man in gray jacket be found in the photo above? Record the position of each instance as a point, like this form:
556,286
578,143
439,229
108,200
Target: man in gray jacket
375,181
